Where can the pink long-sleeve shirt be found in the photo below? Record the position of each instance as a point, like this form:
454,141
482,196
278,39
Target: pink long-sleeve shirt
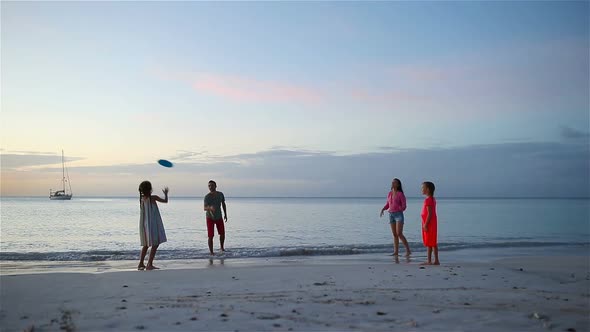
395,203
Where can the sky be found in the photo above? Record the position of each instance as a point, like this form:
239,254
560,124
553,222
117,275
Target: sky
485,99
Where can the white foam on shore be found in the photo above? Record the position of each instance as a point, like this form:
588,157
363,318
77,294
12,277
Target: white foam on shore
471,255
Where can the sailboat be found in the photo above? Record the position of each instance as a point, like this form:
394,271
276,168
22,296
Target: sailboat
62,195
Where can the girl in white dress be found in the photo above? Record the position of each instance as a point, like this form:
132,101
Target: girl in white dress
151,228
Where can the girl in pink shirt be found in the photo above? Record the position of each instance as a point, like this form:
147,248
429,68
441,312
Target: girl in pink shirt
396,205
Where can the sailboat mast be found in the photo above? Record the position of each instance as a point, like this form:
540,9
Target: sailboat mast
63,172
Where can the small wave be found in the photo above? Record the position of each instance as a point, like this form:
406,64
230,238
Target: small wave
180,254
95,199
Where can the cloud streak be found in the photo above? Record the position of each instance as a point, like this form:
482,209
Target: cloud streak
571,133
183,155
533,169
242,88
247,89
13,161
530,76
526,78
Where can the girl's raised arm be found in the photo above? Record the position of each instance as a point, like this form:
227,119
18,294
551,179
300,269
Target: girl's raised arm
163,200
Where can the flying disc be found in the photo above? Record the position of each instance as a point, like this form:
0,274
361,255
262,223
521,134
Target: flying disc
165,163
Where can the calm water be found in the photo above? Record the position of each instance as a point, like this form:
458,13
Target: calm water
107,228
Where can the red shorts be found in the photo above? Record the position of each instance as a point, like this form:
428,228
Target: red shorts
218,223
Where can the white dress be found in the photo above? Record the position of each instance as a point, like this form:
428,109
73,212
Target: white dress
151,228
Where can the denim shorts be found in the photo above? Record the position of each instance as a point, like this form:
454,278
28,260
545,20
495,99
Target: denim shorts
396,217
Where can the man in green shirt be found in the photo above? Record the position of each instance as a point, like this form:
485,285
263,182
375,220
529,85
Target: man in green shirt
214,200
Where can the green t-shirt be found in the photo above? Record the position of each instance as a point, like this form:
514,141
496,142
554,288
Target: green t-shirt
215,199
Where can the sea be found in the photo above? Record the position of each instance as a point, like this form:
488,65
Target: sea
98,229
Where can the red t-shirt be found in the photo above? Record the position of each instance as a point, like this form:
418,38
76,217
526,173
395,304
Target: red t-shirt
430,238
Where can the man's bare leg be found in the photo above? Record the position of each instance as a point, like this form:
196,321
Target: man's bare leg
222,241
210,243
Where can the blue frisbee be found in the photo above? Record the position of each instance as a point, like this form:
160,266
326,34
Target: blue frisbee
165,163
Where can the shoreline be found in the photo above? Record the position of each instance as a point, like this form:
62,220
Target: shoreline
458,256
524,293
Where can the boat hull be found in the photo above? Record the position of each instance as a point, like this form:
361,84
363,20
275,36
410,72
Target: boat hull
61,198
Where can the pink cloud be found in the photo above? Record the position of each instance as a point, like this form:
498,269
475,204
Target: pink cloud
523,78
501,79
408,84
384,97
242,88
254,90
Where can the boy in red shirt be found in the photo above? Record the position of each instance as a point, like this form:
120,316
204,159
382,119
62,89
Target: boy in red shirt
429,223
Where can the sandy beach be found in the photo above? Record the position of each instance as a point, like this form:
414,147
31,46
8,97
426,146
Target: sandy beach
372,293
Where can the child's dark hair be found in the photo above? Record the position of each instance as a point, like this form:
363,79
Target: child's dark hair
145,190
399,188
430,187
211,181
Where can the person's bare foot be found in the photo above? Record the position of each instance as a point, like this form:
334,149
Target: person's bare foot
151,267
140,267
396,254
426,263
408,253
212,254
436,263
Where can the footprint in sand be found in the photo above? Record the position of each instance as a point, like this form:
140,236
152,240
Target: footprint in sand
268,316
